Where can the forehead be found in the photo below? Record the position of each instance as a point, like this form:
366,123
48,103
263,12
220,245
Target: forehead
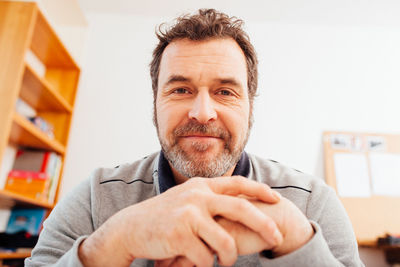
213,58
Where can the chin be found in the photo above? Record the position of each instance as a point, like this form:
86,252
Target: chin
209,154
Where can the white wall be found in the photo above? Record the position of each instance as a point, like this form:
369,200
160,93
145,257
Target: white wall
112,123
322,77
314,77
69,22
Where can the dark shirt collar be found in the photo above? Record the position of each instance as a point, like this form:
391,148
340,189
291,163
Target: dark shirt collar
166,178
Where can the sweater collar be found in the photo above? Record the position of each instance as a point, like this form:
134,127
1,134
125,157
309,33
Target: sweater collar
166,178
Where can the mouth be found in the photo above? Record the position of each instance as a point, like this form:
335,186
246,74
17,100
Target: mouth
200,136
200,139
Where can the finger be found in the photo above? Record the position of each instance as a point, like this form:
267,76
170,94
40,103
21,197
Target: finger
197,252
241,210
237,185
163,263
181,262
218,239
247,241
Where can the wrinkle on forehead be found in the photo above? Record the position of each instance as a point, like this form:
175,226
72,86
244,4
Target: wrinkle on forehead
185,48
216,58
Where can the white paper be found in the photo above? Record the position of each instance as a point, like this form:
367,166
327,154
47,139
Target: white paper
7,163
385,173
341,141
347,142
352,179
376,143
4,216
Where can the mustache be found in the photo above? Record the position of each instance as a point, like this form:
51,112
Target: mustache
193,127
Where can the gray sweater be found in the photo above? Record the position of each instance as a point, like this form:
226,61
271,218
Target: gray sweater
107,191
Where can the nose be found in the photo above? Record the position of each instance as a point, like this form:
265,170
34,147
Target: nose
203,110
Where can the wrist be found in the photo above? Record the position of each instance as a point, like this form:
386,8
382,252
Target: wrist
97,251
85,251
294,242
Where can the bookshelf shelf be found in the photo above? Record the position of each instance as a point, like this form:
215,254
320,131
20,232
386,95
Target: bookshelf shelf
38,93
24,29
25,133
14,255
10,199
48,46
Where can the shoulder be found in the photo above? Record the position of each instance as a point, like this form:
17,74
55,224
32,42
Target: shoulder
302,189
125,184
276,174
128,173
109,190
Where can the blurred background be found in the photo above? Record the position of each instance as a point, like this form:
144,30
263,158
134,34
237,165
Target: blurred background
324,66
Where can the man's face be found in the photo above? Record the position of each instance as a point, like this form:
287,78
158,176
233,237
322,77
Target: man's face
202,107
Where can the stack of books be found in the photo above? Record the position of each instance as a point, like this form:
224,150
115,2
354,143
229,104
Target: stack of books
22,230
35,174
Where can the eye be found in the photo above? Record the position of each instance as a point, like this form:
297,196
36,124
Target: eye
181,91
224,92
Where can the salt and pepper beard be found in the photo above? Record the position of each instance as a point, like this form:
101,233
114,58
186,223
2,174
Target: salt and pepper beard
193,164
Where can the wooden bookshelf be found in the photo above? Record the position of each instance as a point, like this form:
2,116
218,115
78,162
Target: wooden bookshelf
46,44
23,28
14,255
39,94
11,199
25,133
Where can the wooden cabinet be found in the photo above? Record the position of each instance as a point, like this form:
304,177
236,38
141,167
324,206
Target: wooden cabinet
24,29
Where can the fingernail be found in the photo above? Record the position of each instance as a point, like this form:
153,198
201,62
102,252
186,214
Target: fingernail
276,195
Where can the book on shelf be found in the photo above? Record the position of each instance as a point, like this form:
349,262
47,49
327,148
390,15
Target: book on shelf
35,174
54,180
43,125
22,229
28,183
24,109
29,220
32,160
7,162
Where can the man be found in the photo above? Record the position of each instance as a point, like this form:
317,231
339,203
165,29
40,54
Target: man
202,200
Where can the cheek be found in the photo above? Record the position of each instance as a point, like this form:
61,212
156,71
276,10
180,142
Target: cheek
237,122
168,117
162,118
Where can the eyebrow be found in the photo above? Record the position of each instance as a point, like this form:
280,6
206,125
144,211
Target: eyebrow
179,78
176,78
229,81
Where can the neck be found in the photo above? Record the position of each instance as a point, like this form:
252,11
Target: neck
179,178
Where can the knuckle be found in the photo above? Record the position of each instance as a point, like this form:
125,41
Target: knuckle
236,180
267,225
180,236
195,181
270,225
227,259
193,195
239,181
189,211
228,244
242,205
174,234
192,180
239,177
